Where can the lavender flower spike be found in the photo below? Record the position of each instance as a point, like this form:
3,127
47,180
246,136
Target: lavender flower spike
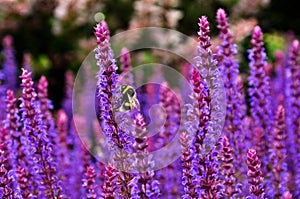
259,90
204,163
40,151
12,124
294,111
207,66
204,31
118,140
109,187
279,166
229,67
89,183
106,88
254,174
294,87
6,174
187,177
144,185
228,171
235,110
2,95
9,64
126,77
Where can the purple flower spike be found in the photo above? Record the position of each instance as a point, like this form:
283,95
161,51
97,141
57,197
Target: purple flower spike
40,150
45,104
259,91
5,190
12,124
204,168
207,67
119,141
125,60
67,101
28,99
27,62
9,64
45,107
254,174
258,140
203,33
187,177
2,95
126,77
205,76
202,98
294,104
222,22
228,171
233,85
279,166
89,183
12,118
7,176
64,159
109,187
170,103
141,143
62,129
143,184
106,88
279,83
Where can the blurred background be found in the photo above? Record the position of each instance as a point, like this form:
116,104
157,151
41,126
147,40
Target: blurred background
55,36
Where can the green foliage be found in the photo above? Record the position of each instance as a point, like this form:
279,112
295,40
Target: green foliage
274,42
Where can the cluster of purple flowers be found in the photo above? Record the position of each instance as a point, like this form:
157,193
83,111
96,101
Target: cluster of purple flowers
257,155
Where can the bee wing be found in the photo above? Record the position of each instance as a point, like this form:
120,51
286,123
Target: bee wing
137,103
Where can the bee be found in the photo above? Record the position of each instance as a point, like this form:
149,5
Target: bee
128,101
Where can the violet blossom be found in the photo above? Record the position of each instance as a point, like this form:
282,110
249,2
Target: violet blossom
204,167
40,149
9,64
109,187
254,174
187,177
144,186
279,170
259,91
126,77
2,94
234,97
7,190
228,170
12,125
89,183
294,111
106,88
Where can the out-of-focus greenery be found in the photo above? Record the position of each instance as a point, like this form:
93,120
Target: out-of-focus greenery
274,42
59,41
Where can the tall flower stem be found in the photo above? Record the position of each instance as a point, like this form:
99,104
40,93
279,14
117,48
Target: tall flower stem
254,174
9,64
259,92
144,186
294,111
279,165
234,97
42,154
205,166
